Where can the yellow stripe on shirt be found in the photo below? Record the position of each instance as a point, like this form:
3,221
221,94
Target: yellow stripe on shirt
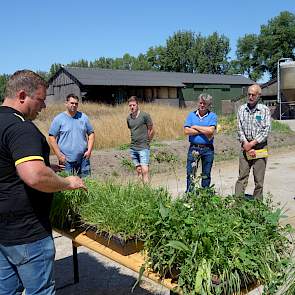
29,158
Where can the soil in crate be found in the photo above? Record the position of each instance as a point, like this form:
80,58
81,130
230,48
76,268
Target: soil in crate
115,243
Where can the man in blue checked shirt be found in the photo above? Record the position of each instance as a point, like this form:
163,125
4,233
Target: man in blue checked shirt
200,126
254,125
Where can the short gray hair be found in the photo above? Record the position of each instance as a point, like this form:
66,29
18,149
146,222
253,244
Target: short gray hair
206,97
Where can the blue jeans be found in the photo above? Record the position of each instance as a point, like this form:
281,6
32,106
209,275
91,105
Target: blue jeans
80,168
141,157
29,267
206,155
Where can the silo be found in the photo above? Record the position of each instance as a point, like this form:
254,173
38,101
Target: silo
287,81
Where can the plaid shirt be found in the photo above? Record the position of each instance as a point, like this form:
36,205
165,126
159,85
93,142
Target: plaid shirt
253,124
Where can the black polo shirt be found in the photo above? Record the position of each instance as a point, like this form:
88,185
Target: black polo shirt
24,211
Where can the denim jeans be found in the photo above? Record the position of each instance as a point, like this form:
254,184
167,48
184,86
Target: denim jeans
29,267
80,168
141,157
206,155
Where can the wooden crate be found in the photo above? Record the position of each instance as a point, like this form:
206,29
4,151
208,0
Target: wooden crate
115,243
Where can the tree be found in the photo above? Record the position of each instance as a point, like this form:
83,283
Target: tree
155,56
213,54
53,69
102,62
83,63
277,40
248,61
141,63
43,74
177,56
3,80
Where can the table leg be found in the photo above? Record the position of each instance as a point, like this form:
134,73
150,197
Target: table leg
75,263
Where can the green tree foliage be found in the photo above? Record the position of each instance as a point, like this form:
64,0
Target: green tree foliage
141,63
188,52
277,40
3,80
54,68
248,61
43,74
155,56
102,62
257,54
82,63
212,54
178,54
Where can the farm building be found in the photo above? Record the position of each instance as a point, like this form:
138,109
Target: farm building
115,86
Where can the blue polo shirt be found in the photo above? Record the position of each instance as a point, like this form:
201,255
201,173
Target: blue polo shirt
193,118
71,134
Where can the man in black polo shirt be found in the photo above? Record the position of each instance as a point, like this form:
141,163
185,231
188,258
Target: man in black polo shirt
26,185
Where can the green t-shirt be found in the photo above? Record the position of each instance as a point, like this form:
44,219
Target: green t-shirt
139,131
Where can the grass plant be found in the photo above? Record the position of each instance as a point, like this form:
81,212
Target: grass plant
280,127
66,205
217,245
122,210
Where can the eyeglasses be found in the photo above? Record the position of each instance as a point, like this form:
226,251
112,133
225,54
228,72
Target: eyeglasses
252,94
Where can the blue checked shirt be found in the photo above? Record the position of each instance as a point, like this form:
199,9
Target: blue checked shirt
253,124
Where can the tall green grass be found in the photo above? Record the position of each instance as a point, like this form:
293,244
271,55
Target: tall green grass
280,127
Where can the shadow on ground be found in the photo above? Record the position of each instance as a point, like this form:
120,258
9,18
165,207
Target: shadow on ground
95,278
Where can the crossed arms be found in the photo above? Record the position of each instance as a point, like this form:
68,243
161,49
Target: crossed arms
208,131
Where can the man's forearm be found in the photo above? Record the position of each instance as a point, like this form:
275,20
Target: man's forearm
206,130
55,147
91,140
151,133
190,131
40,177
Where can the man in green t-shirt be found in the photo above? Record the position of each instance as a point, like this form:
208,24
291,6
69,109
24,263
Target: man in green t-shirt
142,132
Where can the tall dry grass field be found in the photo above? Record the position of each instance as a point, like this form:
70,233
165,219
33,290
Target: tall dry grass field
110,125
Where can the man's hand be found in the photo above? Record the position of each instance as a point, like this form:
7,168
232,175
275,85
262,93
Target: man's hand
57,167
61,159
252,153
87,154
247,146
75,182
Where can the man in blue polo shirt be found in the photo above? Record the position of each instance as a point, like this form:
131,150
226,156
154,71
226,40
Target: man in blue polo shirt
200,126
71,136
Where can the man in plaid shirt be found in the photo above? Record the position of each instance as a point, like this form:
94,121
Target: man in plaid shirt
253,129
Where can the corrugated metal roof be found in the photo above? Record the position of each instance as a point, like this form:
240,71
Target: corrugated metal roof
96,76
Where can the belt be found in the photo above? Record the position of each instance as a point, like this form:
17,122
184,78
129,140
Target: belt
202,145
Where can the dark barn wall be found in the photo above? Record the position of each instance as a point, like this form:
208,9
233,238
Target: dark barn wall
120,94
219,92
60,87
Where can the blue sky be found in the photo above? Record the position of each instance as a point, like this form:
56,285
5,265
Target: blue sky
36,34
